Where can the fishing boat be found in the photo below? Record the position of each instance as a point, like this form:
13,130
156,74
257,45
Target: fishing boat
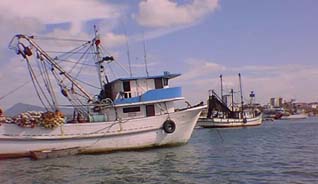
127,113
221,115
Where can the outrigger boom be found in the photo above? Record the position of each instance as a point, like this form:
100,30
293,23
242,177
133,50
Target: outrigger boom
26,52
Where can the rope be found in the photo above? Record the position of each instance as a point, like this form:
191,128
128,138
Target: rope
14,90
81,67
69,52
85,64
36,90
61,39
79,60
87,83
73,51
46,79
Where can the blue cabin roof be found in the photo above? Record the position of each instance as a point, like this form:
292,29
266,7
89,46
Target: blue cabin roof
152,95
166,75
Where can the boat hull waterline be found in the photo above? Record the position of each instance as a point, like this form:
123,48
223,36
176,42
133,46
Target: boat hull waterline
98,137
229,122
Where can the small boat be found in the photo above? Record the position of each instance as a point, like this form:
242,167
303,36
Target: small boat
54,153
229,122
294,117
125,113
272,114
220,115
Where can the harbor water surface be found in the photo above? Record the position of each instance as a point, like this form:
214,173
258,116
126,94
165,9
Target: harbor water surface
275,152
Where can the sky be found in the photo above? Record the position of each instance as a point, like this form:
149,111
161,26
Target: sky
272,43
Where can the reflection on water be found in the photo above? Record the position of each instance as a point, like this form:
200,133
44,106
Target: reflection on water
276,152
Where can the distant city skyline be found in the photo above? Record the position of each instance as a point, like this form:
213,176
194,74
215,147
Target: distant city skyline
273,44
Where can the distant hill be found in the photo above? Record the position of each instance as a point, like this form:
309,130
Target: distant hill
21,107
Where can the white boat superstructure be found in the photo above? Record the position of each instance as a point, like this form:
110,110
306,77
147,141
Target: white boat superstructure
128,113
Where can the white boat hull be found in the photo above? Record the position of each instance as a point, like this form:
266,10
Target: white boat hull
95,137
228,122
294,117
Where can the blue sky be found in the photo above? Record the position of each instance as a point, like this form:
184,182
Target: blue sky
272,43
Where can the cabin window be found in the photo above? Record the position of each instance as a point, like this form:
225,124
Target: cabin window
158,83
126,86
131,109
165,82
150,110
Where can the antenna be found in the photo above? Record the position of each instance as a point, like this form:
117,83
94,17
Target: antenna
241,90
128,52
128,55
145,54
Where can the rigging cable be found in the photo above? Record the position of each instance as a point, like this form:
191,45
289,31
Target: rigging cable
119,64
70,71
87,83
46,80
68,61
82,66
73,51
61,39
34,84
14,90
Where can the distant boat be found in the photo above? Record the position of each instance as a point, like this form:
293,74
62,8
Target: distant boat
219,115
295,117
229,122
273,113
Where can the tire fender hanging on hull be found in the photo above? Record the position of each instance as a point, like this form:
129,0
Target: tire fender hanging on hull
169,126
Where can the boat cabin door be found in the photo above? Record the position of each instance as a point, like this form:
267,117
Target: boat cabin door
150,110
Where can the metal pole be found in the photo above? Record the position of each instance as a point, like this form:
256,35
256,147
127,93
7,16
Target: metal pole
241,92
232,96
221,87
145,55
99,65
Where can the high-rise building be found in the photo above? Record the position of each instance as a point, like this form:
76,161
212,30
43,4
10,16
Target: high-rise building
276,102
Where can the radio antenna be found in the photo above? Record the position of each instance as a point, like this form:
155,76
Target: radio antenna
145,54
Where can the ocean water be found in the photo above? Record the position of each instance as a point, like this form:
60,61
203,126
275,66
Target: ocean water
275,152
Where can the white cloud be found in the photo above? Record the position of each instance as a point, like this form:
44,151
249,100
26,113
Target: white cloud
201,68
156,33
33,16
167,13
111,40
59,11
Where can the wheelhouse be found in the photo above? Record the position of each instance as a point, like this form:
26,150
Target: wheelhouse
137,97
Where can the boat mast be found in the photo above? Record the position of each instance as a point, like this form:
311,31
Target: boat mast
221,87
232,99
54,64
240,81
99,63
